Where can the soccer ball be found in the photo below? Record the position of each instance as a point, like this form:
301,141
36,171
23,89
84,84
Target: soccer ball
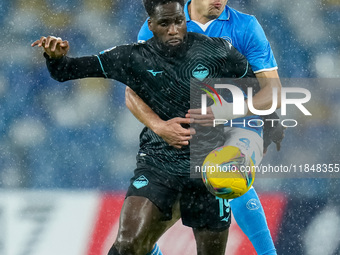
227,172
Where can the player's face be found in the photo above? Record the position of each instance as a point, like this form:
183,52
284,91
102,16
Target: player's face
168,24
210,9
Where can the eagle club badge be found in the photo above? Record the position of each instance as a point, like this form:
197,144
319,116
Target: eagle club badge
140,182
200,72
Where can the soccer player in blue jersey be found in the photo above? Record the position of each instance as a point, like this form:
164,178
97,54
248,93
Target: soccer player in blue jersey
215,19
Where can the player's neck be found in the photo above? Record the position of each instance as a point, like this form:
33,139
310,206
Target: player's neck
196,15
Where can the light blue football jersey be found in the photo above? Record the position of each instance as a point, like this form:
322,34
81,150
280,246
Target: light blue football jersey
243,31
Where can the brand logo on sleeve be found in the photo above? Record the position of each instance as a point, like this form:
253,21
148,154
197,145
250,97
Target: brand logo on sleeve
154,73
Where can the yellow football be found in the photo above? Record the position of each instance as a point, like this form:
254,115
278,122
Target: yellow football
227,172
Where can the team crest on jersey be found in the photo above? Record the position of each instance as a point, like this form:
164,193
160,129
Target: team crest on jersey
200,72
140,182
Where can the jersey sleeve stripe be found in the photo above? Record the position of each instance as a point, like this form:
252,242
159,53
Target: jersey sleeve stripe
266,69
245,71
101,65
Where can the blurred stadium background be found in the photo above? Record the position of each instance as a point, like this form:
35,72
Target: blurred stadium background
67,150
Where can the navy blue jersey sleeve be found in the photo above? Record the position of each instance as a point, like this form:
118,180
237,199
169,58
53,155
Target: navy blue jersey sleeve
115,63
239,67
66,68
237,62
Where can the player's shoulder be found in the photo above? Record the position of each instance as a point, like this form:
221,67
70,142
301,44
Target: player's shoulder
233,13
240,18
123,51
139,44
126,47
197,37
213,43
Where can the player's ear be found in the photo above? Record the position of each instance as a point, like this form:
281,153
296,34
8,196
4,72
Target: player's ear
150,24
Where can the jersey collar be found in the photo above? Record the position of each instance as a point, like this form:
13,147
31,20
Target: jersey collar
225,15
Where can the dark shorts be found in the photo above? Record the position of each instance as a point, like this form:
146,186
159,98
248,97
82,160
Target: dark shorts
199,208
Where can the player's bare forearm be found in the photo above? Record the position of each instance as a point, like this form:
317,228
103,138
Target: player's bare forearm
142,111
63,68
171,131
263,99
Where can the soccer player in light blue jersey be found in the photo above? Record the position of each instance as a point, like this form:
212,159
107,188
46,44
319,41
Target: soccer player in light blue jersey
215,19
243,31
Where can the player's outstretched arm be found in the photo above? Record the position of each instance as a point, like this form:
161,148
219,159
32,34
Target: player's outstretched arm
63,68
171,131
54,47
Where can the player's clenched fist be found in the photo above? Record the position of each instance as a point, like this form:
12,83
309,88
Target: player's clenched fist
55,47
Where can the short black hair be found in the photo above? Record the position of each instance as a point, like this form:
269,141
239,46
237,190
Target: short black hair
150,5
